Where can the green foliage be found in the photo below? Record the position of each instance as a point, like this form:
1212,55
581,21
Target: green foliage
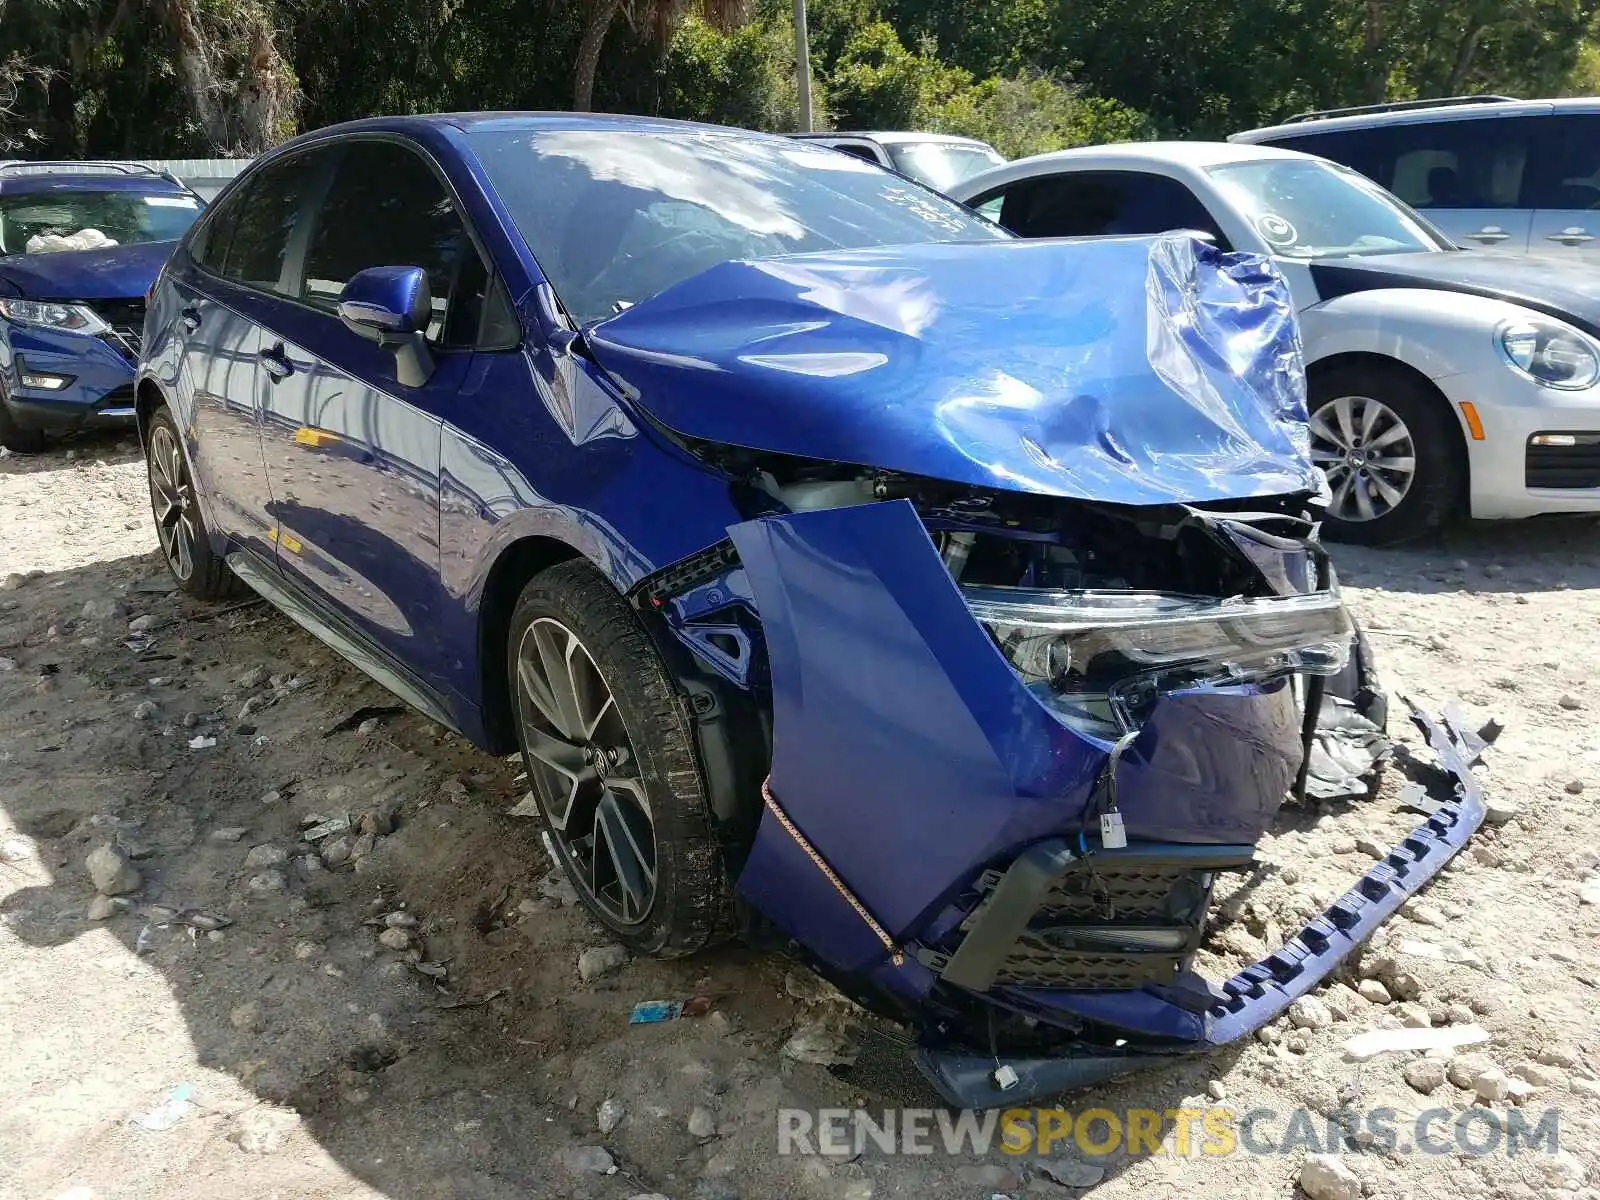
117,77
744,78
878,84
1034,115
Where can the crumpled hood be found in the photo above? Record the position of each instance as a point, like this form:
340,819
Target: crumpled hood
1134,370
112,273
1559,287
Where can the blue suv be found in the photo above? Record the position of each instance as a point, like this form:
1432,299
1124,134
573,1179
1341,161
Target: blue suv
842,567
80,245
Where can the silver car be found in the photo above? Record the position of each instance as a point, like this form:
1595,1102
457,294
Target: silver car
1493,173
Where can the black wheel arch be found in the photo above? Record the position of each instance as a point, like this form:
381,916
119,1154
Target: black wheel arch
732,727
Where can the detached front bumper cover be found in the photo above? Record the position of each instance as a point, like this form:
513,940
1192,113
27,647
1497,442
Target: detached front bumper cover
1257,994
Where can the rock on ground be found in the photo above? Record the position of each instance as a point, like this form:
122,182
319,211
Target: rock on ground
1069,1172
1426,1075
111,871
609,1115
1325,1177
589,1160
1310,1013
601,960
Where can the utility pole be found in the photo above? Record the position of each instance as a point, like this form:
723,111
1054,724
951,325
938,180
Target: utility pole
802,64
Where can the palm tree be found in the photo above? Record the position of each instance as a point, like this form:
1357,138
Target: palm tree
659,18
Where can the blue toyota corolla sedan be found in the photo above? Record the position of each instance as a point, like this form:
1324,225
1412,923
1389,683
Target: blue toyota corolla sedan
839,565
80,245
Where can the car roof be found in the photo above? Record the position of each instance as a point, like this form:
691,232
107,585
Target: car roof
512,120
64,181
423,125
1190,154
1121,156
1463,109
894,137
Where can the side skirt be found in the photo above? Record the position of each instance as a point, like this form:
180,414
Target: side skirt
339,637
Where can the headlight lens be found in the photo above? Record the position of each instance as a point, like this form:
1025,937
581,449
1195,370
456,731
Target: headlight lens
1100,659
73,318
1550,353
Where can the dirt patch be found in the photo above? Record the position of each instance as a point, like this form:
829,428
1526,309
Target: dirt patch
410,1021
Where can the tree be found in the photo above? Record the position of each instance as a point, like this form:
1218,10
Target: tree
655,19
16,74
240,88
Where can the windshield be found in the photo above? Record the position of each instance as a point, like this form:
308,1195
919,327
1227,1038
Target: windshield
1304,208
43,222
614,217
942,165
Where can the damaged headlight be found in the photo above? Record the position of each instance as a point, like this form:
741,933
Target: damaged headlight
1099,659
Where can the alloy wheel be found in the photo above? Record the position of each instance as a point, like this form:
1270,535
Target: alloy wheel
1368,454
172,501
582,765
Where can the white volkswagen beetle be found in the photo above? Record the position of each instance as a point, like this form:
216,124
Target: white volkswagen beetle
1441,381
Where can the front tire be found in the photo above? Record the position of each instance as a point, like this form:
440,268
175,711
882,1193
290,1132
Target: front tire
17,438
1387,445
611,762
180,527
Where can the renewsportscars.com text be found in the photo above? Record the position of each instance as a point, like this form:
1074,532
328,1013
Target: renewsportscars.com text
1210,1131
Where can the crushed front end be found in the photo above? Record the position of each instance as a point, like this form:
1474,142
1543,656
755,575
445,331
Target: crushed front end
1037,659
1018,850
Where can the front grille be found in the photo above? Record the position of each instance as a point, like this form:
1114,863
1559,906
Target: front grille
1137,892
122,397
1037,962
1551,463
1113,920
126,318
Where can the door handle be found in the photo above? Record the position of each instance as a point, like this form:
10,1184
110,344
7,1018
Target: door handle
189,318
1489,234
1573,235
275,363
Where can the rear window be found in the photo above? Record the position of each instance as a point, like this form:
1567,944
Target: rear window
57,220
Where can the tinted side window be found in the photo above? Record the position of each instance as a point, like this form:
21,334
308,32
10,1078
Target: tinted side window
1568,163
1359,149
260,222
1123,202
1458,164
386,208
210,241
856,149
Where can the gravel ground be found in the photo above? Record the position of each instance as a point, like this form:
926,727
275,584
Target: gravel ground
401,1014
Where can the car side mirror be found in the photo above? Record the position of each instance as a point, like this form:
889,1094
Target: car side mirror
392,306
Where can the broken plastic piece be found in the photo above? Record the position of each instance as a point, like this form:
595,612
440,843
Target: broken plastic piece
327,828
1379,1041
199,918
1414,796
1346,748
169,1112
1113,836
648,1012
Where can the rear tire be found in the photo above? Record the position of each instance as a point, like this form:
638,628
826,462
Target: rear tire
611,763
17,438
1388,445
180,526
